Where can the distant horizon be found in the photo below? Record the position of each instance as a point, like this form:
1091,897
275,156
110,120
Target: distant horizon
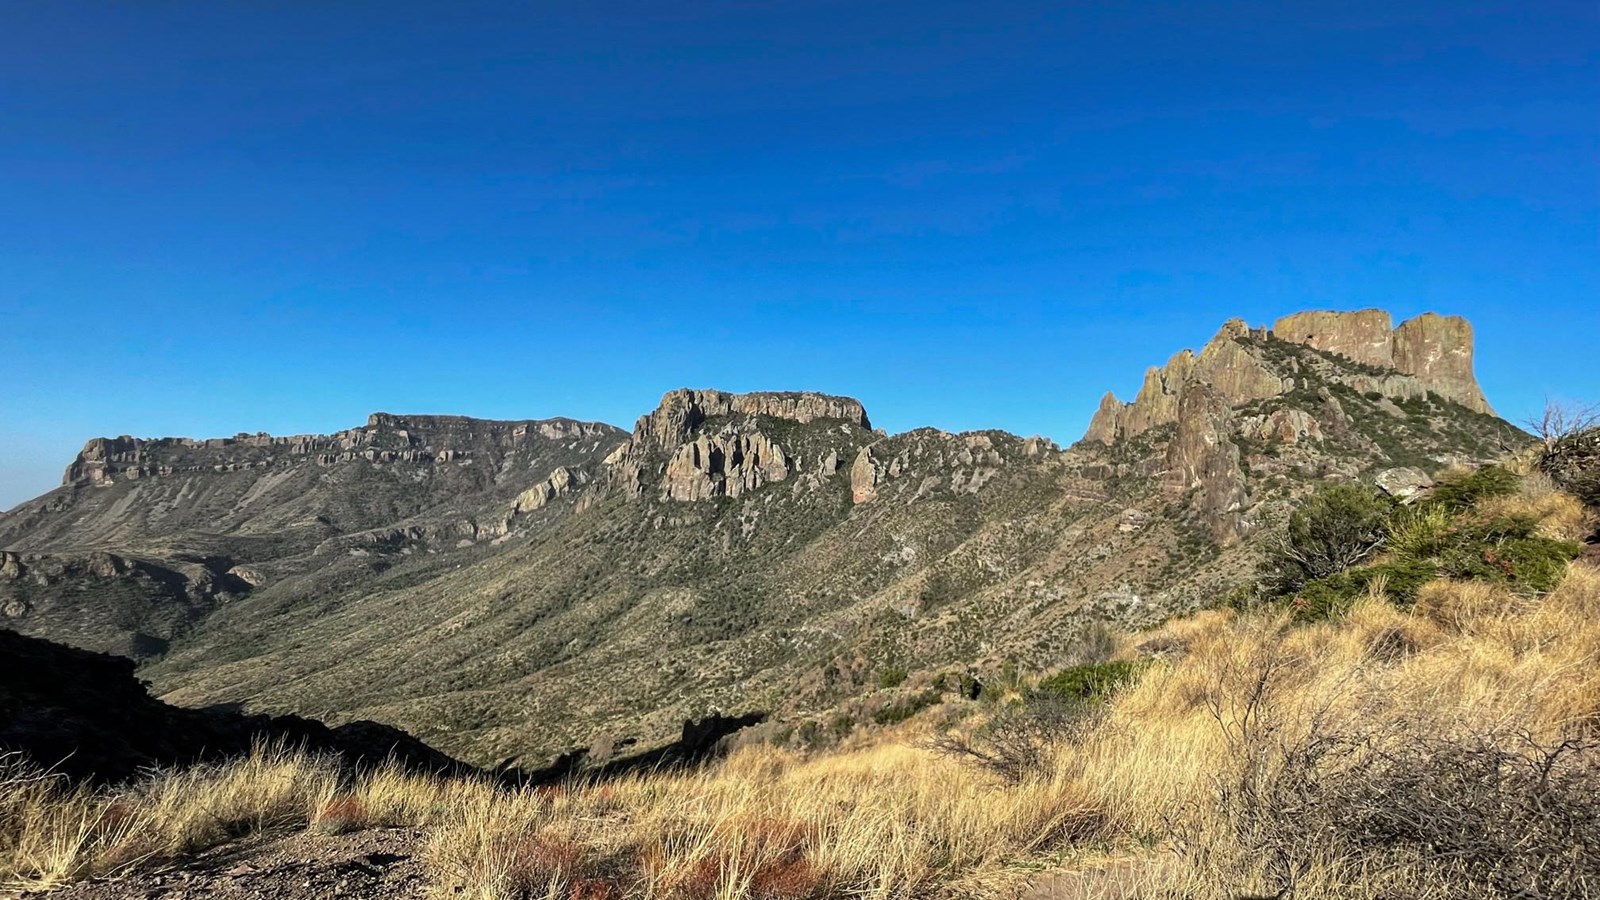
227,218
626,426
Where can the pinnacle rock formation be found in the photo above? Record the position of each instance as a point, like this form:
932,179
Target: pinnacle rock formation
1318,393
700,444
1427,354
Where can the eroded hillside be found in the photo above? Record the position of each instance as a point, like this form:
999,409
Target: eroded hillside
762,551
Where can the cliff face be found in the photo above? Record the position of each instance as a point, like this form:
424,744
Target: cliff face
700,444
675,418
1365,336
1438,351
1339,390
1430,353
386,438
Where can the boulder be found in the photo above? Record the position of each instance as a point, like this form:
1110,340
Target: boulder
1403,483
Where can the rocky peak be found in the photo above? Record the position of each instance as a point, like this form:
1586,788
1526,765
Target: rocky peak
680,411
1319,393
1435,349
1229,364
1365,336
1429,353
672,448
1438,351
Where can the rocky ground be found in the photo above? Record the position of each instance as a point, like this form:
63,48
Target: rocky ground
382,863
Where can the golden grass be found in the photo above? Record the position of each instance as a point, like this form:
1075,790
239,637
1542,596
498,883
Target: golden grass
54,833
892,820
897,819
1560,515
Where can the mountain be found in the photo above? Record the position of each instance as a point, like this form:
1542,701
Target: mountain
511,591
146,537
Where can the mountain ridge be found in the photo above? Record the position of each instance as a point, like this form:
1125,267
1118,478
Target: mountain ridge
764,552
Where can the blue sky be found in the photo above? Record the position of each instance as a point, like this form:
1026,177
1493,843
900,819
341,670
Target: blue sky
223,217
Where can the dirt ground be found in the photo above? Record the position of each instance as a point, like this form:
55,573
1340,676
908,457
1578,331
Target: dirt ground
365,865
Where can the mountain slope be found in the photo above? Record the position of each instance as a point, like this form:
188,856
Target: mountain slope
771,551
147,537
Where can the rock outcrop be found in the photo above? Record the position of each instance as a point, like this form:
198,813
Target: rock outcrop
700,444
1365,336
1201,458
1427,354
561,482
1438,351
1233,368
1319,395
863,477
1435,350
723,465
680,411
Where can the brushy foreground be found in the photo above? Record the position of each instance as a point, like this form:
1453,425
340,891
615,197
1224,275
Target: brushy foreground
1441,750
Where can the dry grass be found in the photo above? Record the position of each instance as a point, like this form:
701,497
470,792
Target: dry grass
1560,515
55,833
893,820
1194,759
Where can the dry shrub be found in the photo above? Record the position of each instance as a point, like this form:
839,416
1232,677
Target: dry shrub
52,833
1469,651
1416,811
1022,739
206,805
892,820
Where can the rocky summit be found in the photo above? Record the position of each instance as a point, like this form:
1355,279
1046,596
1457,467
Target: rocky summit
511,592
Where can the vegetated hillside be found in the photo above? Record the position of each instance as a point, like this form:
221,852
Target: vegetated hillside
1435,741
772,552
146,537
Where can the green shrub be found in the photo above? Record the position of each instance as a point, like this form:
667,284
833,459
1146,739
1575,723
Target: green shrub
1420,532
1334,595
1424,542
1088,683
1509,550
1402,579
1334,529
892,677
1464,492
905,709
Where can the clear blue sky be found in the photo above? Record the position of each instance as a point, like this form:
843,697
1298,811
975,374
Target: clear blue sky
220,217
